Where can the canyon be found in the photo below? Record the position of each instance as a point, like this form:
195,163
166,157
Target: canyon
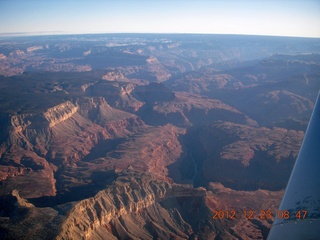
147,136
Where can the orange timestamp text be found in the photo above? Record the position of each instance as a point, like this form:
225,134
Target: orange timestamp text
262,214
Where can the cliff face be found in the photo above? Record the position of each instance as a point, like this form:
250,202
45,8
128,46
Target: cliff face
70,144
98,111
38,144
105,138
60,113
129,198
24,153
151,151
118,94
204,81
189,109
135,206
157,69
130,208
138,206
25,128
272,106
242,157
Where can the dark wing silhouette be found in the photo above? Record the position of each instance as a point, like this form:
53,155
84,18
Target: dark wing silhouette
299,213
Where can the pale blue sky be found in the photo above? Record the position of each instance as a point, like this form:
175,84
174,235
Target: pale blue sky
257,17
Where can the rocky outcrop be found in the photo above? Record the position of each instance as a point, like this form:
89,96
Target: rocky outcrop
139,206
76,145
241,157
20,219
204,81
38,144
113,76
60,113
157,69
136,206
117,94
153,151
222,200
270,107
189,109
34,48
130,194
50,118
98,111
21,202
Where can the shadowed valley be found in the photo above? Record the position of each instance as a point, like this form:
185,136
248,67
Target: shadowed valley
144,136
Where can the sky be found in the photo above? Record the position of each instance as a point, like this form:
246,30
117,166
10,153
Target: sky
252,17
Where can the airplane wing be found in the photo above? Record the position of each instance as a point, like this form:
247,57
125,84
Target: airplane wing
299,214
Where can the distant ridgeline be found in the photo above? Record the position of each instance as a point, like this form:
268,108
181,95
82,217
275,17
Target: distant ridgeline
150,135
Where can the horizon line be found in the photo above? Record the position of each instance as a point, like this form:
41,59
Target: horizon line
62,33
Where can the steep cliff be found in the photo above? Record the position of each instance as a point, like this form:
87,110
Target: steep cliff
39,143
60,113
117,211
157,69
25,128
101,136
117,94
187,109
140,206
241,157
